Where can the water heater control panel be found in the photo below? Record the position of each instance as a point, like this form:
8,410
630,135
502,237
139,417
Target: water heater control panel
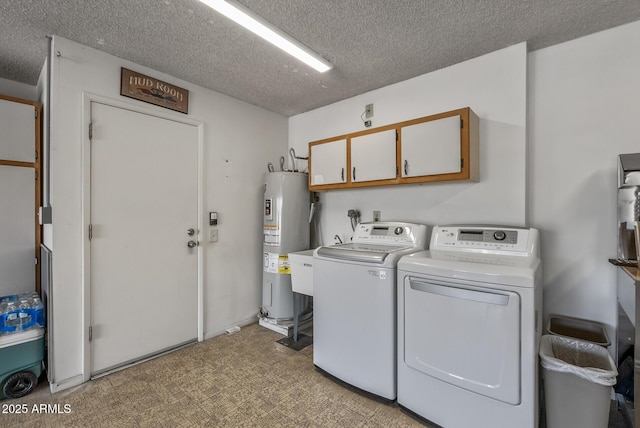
268,209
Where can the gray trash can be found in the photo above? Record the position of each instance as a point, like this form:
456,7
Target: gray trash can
578,376
578,328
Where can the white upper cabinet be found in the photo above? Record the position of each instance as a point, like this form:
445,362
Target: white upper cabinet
440,147
17,131
329,165
373,156
431,148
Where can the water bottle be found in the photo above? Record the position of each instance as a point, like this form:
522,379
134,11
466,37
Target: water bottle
3,315
37,309
11,298
9,318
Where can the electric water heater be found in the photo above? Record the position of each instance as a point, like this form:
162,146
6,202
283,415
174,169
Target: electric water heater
286,229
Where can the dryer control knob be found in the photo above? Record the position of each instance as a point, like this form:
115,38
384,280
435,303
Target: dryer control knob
499,235
398,230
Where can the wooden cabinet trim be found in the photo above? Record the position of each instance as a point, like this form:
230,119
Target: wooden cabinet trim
17,163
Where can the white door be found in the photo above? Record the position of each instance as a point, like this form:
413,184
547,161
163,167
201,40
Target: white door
329,163
17,198
373,156
17,231
464,335
431,148
17,142
144,199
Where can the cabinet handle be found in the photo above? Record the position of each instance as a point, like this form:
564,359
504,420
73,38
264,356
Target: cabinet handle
342,175
406,167
354,173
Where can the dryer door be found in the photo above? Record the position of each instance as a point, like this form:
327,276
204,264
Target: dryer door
465,335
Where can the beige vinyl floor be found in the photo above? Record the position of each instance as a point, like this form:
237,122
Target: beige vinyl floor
242,380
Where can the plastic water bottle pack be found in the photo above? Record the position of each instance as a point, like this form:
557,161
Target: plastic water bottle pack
20,312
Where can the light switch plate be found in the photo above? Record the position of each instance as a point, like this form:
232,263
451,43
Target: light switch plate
213,235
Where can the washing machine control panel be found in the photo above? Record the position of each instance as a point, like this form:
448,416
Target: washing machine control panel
488,239
507,237
391,233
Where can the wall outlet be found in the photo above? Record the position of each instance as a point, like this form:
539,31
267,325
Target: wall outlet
376,216
368,111
213,234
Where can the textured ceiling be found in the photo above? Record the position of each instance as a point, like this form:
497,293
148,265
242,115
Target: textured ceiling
372,43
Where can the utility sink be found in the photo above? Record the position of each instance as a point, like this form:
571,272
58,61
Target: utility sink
301,263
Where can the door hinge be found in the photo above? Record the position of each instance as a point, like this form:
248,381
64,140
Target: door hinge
36,113
36,175
91,131
461,162
90,232
90,333
35,261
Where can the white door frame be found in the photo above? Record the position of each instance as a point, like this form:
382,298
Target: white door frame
87,99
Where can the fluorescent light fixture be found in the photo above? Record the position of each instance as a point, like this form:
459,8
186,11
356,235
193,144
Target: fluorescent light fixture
257,25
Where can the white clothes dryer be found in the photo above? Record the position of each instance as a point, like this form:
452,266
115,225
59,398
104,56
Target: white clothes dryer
469,326
354,293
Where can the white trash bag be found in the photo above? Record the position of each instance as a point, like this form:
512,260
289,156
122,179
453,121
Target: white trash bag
583,359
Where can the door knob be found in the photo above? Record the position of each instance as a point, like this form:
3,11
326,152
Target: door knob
191,231
191,244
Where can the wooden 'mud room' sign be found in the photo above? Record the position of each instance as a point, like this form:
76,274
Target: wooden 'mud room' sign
154,91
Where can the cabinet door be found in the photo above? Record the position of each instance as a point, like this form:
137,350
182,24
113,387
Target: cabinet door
431,148
19,195
17,232
373,156
328,163
18,131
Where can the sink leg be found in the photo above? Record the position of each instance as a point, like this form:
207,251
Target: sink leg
296,301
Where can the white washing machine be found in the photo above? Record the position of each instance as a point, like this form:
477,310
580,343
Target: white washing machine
354,293
469,325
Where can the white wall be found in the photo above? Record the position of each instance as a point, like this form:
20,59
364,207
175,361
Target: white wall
17,90
584,104
494,86
239,140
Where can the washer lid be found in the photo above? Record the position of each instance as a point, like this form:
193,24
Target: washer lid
491,269
368,253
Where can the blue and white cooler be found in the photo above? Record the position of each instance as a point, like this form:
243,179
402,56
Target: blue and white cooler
21,344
